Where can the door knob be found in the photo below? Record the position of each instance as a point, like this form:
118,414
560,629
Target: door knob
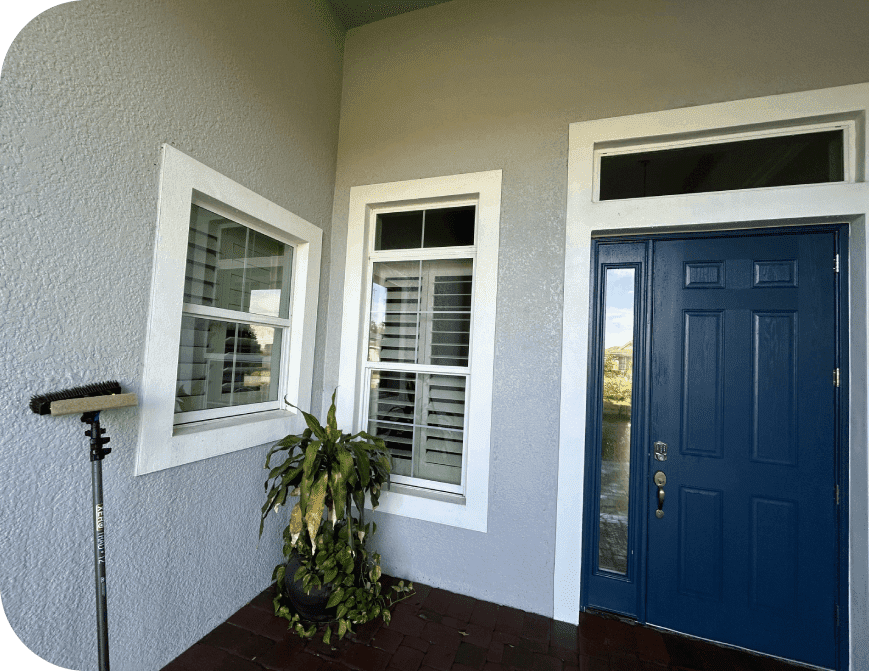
660,480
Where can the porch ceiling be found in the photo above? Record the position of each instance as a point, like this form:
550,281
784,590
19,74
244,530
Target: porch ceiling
355,13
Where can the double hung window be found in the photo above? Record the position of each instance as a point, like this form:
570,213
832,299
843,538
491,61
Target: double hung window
235,318
419,337
232,319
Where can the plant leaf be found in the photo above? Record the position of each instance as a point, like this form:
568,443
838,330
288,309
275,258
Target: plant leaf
359,499
336,597
295,525
331,422
314,514
345,462
307,473
338,488
314,425
363,466
328,635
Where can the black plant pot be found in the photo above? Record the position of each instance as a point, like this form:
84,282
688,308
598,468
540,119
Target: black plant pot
309,606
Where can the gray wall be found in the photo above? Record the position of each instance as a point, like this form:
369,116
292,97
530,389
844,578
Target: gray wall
485,84
89,91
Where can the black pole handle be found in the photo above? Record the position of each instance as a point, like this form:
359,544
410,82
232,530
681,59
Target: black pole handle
97,453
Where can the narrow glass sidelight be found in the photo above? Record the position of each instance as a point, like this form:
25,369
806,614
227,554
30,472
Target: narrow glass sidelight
618,357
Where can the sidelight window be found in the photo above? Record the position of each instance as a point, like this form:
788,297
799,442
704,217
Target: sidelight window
617,401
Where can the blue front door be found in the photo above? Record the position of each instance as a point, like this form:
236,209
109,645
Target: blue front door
741,538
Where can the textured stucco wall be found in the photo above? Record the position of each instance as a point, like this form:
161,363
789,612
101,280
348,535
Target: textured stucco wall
485,84
89,91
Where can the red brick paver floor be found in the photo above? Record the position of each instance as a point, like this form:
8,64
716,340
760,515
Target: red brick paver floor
435,630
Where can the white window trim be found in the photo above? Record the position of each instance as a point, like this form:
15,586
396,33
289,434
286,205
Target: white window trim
162,444
468,511
840,202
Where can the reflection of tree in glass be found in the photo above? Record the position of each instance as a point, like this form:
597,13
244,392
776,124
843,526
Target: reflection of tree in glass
617,374
615,458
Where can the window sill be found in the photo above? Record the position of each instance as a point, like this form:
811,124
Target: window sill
429,505
187,443
422,492
227,422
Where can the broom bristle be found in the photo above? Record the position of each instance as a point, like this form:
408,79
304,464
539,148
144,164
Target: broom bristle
41,404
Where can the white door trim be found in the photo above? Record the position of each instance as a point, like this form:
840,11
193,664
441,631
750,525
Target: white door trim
844,202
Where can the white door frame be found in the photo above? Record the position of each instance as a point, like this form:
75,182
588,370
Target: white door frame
842,202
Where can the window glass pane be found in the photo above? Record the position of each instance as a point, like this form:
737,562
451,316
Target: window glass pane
233,267
806,158
440,227
394,323
391,409
398,230
223,364
449,227
617,396
421,419
421,312
440,434
447,319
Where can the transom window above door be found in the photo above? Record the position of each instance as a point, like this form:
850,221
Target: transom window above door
809,153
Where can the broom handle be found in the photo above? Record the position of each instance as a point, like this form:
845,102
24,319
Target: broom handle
97,454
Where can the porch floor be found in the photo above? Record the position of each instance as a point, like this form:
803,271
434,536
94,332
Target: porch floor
435,630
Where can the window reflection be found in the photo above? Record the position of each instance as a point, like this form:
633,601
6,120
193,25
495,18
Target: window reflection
618,357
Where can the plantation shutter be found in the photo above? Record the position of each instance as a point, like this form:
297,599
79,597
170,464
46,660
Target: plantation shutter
200,282
442,428
421,312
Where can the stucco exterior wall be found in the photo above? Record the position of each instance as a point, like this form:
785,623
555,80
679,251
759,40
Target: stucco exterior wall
89,92
474,85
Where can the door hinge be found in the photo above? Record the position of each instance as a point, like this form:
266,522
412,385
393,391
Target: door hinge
837,615
836,264
837,495
836,378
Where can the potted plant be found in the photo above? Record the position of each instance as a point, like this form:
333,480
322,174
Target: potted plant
328,574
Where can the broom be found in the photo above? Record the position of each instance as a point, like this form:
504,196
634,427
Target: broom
90,400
